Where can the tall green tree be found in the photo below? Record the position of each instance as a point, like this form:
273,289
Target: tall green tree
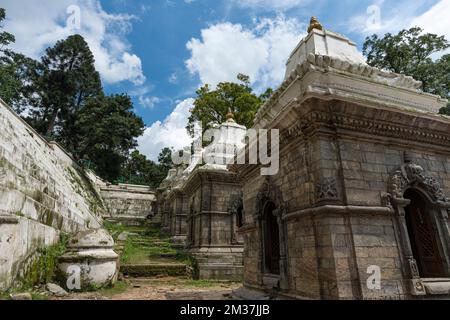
6,38
67,80
165,159
106,130
411,52
140,170
212,106
16,72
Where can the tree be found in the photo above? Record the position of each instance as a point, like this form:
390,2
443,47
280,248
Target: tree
6,38
165,159
16,72
67,80
411,52
139,170
212,106
106,129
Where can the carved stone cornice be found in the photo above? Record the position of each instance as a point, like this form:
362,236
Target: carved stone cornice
373,127
345,69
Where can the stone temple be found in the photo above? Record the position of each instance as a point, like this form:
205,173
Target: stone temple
359,208
201,206
363,184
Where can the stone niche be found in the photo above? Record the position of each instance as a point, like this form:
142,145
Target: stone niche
359,208
89,262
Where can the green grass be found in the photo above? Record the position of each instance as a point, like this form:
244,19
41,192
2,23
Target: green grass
137,253
34,296
114,229
4,296
118,288
39,297
147,246
44,268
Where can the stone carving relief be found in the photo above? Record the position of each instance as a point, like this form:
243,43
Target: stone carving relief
270,192
327,189
236,204
410,175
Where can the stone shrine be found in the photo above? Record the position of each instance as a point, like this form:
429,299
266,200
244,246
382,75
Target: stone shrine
359,208
201,206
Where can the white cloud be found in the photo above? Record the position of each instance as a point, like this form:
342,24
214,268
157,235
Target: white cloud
260,52
402,15
270,4
435,20
39,24
170,133
148,102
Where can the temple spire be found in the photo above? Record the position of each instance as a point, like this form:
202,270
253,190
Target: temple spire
230,116
314,24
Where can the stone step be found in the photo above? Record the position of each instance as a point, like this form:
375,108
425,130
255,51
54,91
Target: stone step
151,270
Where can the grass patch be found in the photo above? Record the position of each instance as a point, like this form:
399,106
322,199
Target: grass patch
43,270
39,297
4,296
114,229
136,253
118,288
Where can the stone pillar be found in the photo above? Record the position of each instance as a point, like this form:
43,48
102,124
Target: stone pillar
284,280
444,230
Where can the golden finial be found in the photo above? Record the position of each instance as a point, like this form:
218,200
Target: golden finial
314,24
230,116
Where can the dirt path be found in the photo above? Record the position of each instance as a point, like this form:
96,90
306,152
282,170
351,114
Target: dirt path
164,288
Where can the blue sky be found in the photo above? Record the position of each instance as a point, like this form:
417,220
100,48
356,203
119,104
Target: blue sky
161,51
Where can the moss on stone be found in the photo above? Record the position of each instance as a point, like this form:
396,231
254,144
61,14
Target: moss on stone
83,186
44,267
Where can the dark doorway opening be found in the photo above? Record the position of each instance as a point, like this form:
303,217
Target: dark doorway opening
272,240
239,217
423,236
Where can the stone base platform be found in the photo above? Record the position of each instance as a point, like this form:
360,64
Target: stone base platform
219,263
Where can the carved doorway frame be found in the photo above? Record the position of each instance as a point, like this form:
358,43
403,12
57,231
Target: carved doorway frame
237,214
412,176
271,193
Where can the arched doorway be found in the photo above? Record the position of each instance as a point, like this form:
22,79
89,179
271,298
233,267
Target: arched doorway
423,236
271,240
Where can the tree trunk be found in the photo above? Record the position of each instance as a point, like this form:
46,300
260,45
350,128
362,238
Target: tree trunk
51,124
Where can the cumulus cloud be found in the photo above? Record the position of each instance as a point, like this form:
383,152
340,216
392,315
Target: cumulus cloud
270,4
169,133
403,14
260,51
435,20
39,24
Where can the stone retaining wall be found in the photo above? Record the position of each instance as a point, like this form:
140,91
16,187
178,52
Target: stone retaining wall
42,193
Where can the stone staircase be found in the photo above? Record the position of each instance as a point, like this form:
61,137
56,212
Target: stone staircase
145,253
